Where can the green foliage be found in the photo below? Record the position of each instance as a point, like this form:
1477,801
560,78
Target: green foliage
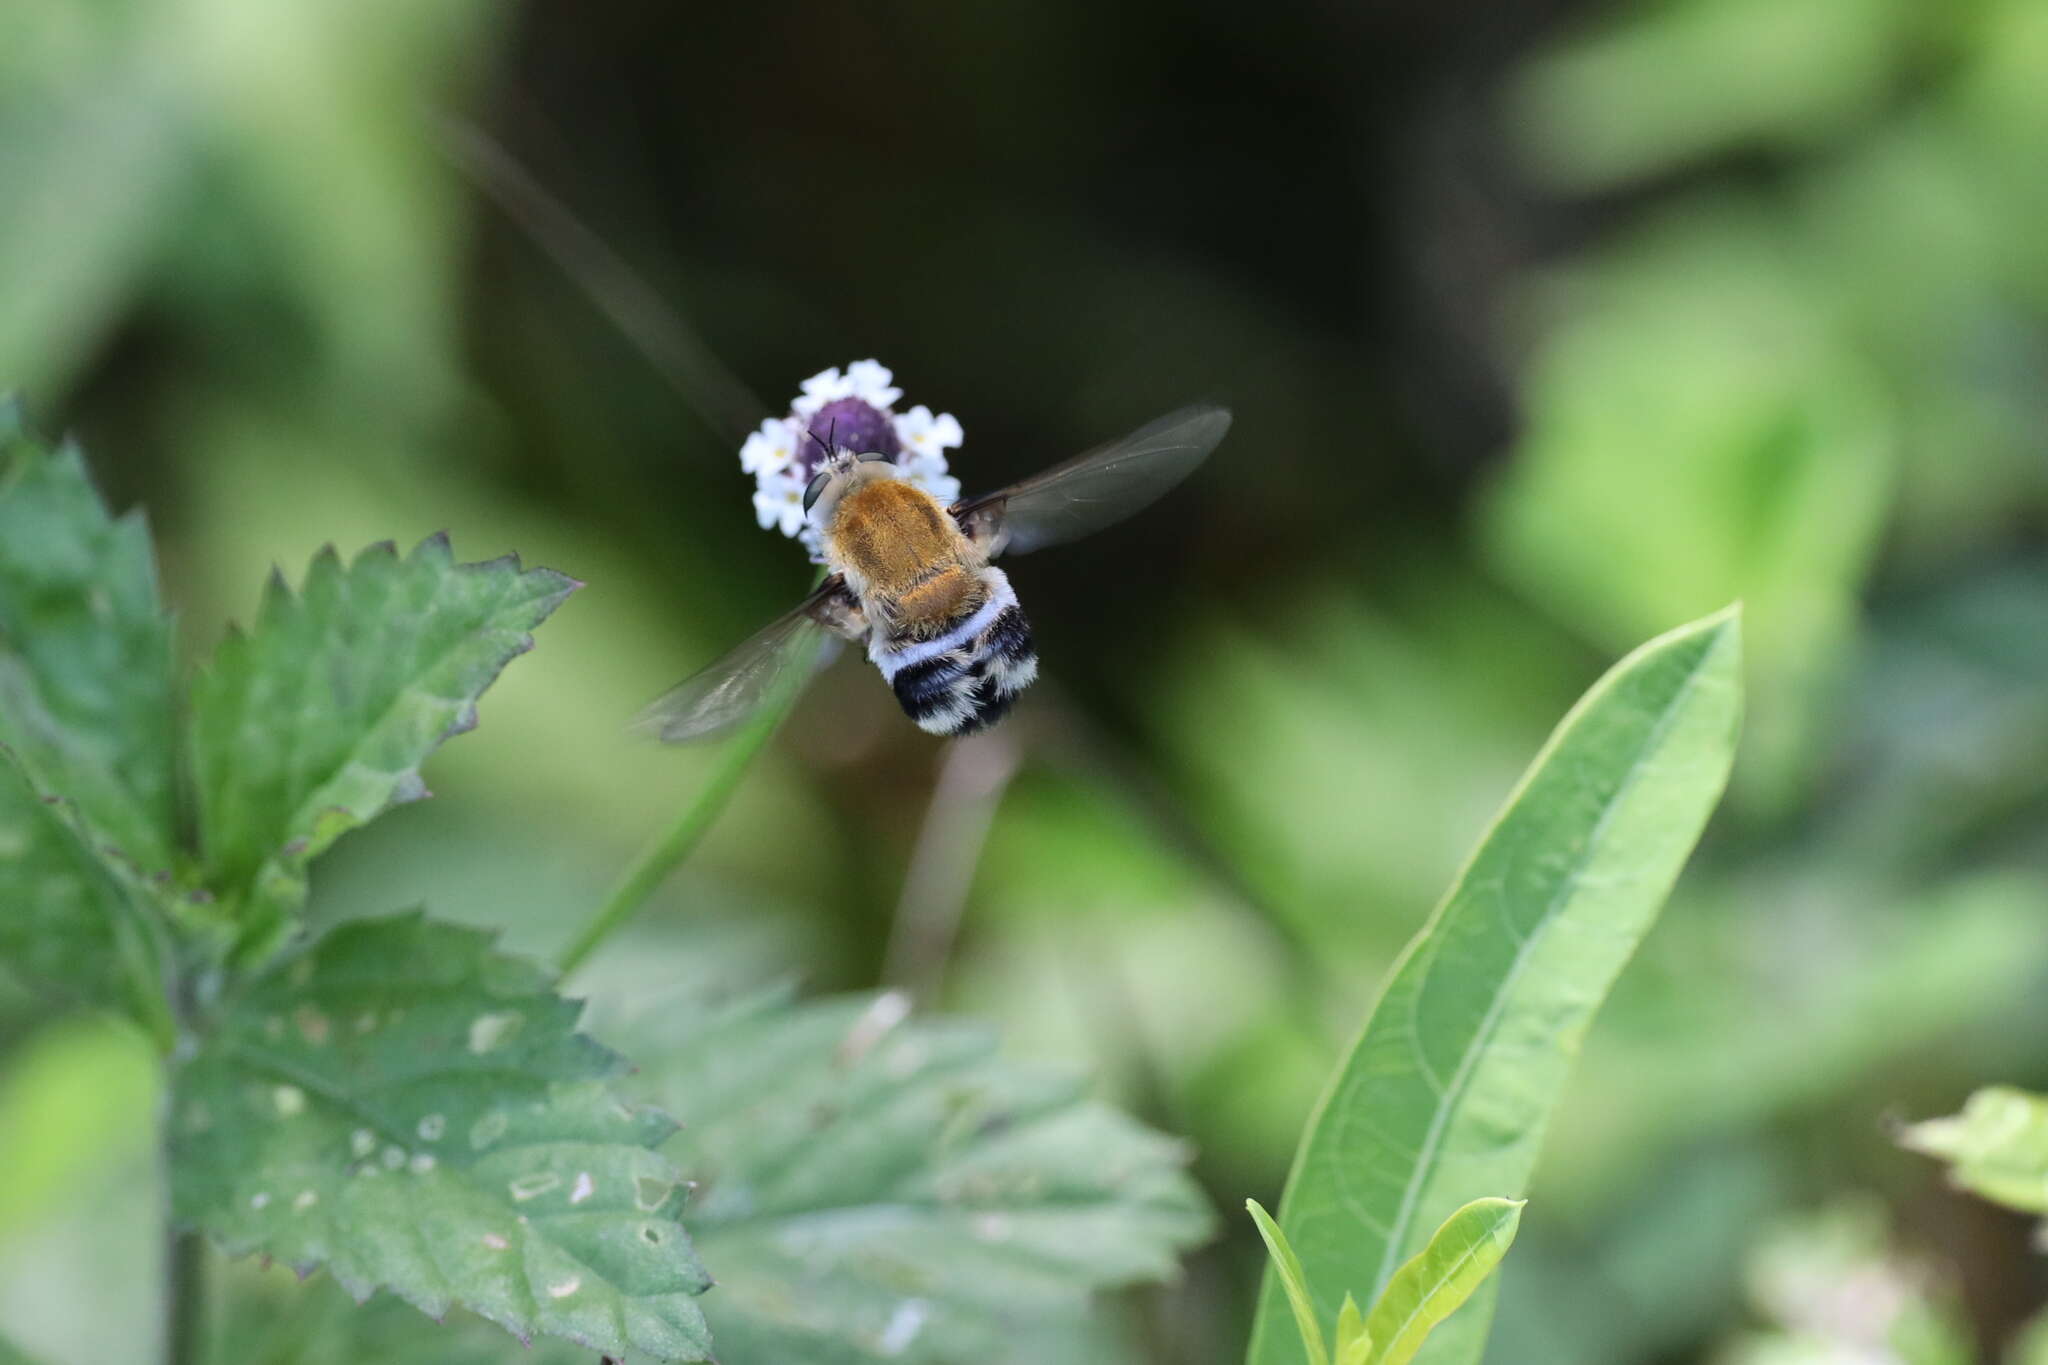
1437,1281
418,1113
1996,1147
1294,1282
1447,1092
78,1075
1429,1288
319,718
397,1103
85,696
1806,68
1832,1284
1354,1342
86,733
897,1192
1770,480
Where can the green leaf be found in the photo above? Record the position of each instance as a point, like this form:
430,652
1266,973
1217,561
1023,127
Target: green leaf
1436,1283
1774,479
1288,1266
10,1354
86,732
1997,1147
67,924
85,650
417,1113
268,1318
319,719
1354,1343
1445,1096
870,1188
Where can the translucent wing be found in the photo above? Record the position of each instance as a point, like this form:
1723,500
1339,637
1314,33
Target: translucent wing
726,691
1097,489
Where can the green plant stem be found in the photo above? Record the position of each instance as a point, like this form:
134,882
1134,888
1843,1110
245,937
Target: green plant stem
184,1298
668,851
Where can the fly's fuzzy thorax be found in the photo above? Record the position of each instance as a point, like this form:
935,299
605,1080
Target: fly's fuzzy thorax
887,536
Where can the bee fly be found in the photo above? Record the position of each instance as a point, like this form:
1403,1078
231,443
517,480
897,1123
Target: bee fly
913,579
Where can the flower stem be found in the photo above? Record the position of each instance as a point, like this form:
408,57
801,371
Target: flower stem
667,852
972,779
184,1298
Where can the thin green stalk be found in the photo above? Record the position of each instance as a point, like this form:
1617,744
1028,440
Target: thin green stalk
184,1298
668,851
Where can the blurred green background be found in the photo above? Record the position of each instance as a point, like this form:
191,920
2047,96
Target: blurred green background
1548,325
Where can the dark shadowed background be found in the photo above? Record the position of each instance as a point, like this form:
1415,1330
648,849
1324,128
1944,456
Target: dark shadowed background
1548,325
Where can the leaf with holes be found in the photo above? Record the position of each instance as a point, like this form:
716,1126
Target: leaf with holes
874,1189
415,1112
86,732
320,717
1445,1096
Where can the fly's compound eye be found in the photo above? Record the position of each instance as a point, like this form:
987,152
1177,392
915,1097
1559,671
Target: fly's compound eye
817,486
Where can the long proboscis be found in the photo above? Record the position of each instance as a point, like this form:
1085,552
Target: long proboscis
613,286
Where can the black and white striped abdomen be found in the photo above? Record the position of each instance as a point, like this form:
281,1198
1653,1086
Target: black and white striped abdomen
965,679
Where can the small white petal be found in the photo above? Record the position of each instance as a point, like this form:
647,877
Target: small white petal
770,505
944,487
925,434
922,469
820,389
871,383
769,450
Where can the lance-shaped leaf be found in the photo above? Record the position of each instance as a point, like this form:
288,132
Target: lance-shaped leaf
1997,1147
1445,1095
874,1189
1295,1284
1354,1343
320,717
86,764
1436,1283
417,1113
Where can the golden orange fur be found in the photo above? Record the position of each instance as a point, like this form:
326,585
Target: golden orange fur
903,554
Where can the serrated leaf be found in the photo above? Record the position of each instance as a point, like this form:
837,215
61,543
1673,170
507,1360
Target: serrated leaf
417,1113
319,718
85,650
1445,1096
1436,1283
1997,1147
67,925
871,1189
268,1318
86,732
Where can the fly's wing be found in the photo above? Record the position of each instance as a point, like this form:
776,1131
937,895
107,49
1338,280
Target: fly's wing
1097,489
725,692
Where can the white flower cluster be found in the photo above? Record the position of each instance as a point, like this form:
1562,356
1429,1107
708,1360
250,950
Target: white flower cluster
855,411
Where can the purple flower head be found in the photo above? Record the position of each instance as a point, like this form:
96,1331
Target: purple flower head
849,424
853,411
